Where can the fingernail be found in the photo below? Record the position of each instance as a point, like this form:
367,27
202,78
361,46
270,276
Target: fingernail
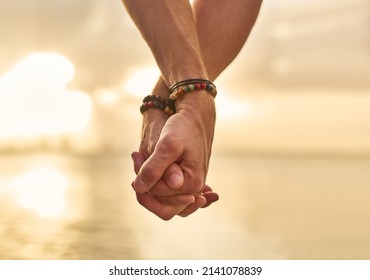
174,181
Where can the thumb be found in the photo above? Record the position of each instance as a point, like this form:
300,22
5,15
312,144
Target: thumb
173,176
154,167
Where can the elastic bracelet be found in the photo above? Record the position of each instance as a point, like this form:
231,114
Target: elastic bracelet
190,85
173,87
157,102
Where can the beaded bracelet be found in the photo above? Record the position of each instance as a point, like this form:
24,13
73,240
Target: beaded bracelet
190,85
187,82
157,102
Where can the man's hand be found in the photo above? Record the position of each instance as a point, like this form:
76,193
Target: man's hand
166,207
165,199
186,139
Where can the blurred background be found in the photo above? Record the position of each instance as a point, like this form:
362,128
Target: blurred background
291,154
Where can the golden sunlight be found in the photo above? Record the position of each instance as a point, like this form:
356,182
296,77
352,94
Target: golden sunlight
42,191
34,100
142,81
231,108
107,97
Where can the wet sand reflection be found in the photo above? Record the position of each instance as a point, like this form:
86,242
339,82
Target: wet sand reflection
270,208
93,225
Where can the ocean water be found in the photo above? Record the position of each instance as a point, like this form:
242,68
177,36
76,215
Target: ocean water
73,207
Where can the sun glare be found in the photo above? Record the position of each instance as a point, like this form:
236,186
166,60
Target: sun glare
107,97
41,190
231,108
141,81
34,100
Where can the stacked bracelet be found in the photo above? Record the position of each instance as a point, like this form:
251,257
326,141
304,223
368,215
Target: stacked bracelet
190,85
168,105
187,82
157,102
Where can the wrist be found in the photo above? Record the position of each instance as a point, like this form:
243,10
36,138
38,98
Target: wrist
186,86
153,122
194,97
198,104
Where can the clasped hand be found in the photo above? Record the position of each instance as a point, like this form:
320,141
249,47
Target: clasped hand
172,162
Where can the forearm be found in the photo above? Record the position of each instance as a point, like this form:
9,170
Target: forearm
169,29
223,27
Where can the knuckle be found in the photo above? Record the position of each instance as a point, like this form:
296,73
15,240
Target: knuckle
156,210
166,216
172,144
184,215
197,185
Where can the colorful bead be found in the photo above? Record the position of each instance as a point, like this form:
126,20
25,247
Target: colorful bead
190,85
175,95
186,89
157,102
160,106
180,91
187,82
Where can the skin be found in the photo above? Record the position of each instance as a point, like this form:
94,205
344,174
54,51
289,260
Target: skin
172,162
